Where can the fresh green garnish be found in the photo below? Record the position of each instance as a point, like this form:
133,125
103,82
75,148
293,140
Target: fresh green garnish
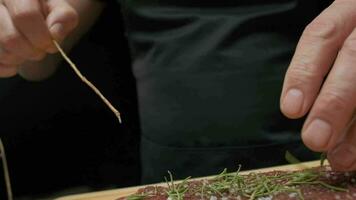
176,191
323,157
253,186
136,197
291,159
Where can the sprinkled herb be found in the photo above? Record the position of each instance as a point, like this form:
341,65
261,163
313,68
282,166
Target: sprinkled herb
252,186
176,191
291,159
137,197
323,157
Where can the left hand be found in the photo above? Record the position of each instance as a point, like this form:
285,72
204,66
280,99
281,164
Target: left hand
322,79
27,30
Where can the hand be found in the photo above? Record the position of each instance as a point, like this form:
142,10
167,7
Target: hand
322,79
27,28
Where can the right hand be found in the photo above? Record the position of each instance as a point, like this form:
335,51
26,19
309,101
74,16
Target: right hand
321,82
28,28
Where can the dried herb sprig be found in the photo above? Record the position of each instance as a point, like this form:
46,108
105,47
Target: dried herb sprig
87,82
6,171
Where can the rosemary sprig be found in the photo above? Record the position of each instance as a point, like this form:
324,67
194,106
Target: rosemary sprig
137,197
87,82
252,186
291,158
323,157
6,171
176,191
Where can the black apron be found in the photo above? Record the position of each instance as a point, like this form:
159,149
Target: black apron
209,75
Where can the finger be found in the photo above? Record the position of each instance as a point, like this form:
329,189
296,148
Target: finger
315,54
336,102
29,19
44,7
343,157
7,71
9,59
62,19
12,41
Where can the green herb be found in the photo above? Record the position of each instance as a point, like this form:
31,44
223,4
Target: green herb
176,191
291,159
323,157
137,197
252,186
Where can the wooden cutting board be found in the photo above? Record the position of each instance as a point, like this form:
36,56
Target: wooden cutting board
114,194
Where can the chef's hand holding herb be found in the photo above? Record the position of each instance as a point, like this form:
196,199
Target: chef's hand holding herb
27,28
321,80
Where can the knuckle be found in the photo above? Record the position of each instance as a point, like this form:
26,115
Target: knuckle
343,2
24,14
333,101
10,41
322,29
349,46
303,72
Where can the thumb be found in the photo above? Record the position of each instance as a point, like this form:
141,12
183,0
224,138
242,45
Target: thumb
62,18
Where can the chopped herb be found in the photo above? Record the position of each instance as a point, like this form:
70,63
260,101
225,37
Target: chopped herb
176,191
323,157
291,159
137,197
252,186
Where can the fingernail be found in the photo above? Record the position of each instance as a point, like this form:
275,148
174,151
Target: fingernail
317,134
293,102
57,31
343,156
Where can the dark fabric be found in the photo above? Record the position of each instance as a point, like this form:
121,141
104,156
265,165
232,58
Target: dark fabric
209,75
59,136
185,162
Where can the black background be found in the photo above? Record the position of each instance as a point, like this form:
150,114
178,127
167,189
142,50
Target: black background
59,135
